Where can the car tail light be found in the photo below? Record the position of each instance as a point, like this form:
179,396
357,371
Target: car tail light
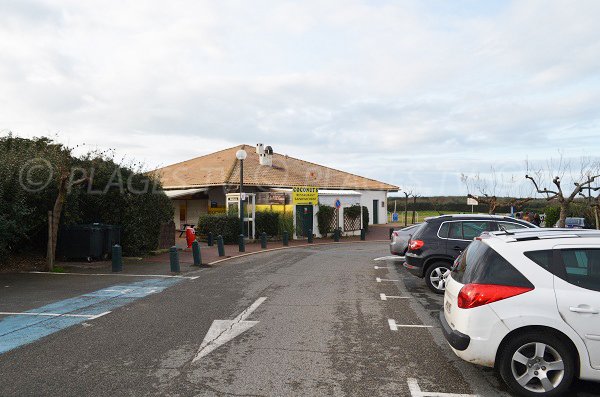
415,245
475,295
395,234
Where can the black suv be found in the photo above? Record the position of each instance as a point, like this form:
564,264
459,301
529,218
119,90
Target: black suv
438,242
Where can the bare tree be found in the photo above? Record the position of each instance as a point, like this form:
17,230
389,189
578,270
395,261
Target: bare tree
582,179
495,190
414,196
407,194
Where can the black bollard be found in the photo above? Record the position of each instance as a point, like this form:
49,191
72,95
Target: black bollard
174,256
286,239
336,235
263,240
310,237
220,245
196,253
242,243
117,258
209,239
391,231
363,234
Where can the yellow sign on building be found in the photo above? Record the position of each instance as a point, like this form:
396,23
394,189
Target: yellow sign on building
304,195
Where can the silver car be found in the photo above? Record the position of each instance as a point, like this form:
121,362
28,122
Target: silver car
400,239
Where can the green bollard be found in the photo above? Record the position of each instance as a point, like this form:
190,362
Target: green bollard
286,239
174,256
391,232
363,234
310,236
336,235
209,239
220,245
263,240
242,243
196,253
117,258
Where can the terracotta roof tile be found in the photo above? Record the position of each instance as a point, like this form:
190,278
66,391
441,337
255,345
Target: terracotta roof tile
222,168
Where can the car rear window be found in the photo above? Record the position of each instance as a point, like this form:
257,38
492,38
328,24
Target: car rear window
480,264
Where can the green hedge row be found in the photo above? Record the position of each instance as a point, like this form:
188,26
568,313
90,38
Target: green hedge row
225,225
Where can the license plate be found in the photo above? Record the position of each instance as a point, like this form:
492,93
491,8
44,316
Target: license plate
448,306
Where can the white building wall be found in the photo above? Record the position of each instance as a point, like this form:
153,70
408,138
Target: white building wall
366,200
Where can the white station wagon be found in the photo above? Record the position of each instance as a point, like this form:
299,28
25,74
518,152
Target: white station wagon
527,302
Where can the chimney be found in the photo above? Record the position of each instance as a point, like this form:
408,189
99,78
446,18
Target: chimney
260,149
266,157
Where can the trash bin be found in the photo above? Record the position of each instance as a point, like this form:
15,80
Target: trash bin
89,242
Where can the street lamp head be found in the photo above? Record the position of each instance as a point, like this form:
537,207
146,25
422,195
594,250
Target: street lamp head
241,154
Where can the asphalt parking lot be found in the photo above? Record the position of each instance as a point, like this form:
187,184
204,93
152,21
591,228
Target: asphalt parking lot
316,321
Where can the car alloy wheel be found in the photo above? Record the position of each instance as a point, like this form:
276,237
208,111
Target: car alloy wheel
436,277
537,365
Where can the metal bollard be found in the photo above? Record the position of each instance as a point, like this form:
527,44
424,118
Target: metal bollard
263,240
363,234
174,256
391,232
242,243
196,253
310,237
336,235
220,245
209,239
117,258
286,239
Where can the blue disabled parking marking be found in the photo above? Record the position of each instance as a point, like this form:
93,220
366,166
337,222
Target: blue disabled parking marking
18,329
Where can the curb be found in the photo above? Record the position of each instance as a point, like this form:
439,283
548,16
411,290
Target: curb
295,246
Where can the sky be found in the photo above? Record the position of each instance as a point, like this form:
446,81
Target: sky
412,93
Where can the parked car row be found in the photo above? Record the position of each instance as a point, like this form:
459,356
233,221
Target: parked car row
518,298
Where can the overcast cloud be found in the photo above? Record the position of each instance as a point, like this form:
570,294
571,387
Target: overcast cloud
412,93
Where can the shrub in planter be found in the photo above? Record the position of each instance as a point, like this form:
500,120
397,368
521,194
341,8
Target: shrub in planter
324,217
227,226
365,215
268,222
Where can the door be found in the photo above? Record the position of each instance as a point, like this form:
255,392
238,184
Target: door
461,233
304,220
375,212
577,289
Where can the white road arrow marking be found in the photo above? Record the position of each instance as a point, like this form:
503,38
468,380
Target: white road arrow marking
385,297
222,331
380,267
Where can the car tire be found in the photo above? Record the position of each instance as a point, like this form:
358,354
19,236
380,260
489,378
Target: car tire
525,361
434,276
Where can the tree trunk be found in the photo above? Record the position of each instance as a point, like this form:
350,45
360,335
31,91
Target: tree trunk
54,220
597,217
564,209
406,211
413,211
50,251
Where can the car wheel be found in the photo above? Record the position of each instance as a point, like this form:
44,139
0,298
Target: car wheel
435,277
537,364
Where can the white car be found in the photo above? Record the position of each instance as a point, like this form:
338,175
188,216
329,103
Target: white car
527,302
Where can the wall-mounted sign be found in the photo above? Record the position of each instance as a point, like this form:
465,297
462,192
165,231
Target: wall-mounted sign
304,195
338,203
276,198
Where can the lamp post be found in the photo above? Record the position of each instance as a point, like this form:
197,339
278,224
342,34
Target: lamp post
241,155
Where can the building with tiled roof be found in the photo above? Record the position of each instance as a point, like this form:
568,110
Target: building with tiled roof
200,185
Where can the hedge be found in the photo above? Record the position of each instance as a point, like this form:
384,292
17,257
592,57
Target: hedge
365,216
268,222
225,225
324,218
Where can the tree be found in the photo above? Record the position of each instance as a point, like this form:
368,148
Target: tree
496,190
582,179
407,194
414,196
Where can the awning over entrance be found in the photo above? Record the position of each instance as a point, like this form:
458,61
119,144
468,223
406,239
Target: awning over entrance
172,194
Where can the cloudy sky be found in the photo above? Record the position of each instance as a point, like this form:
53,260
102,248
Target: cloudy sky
412,93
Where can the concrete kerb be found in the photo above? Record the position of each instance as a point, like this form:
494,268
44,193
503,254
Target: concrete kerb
294,246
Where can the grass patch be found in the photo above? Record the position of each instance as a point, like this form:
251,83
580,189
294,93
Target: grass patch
58,269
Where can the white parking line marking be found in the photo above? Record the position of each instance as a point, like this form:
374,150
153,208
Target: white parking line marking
394,326
390,258
384,279
385,297
380,267
88,316
119,274
415,391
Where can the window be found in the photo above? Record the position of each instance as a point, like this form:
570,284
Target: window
482,265
472,229
510,226
542,258
455,230
443,233
581,267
